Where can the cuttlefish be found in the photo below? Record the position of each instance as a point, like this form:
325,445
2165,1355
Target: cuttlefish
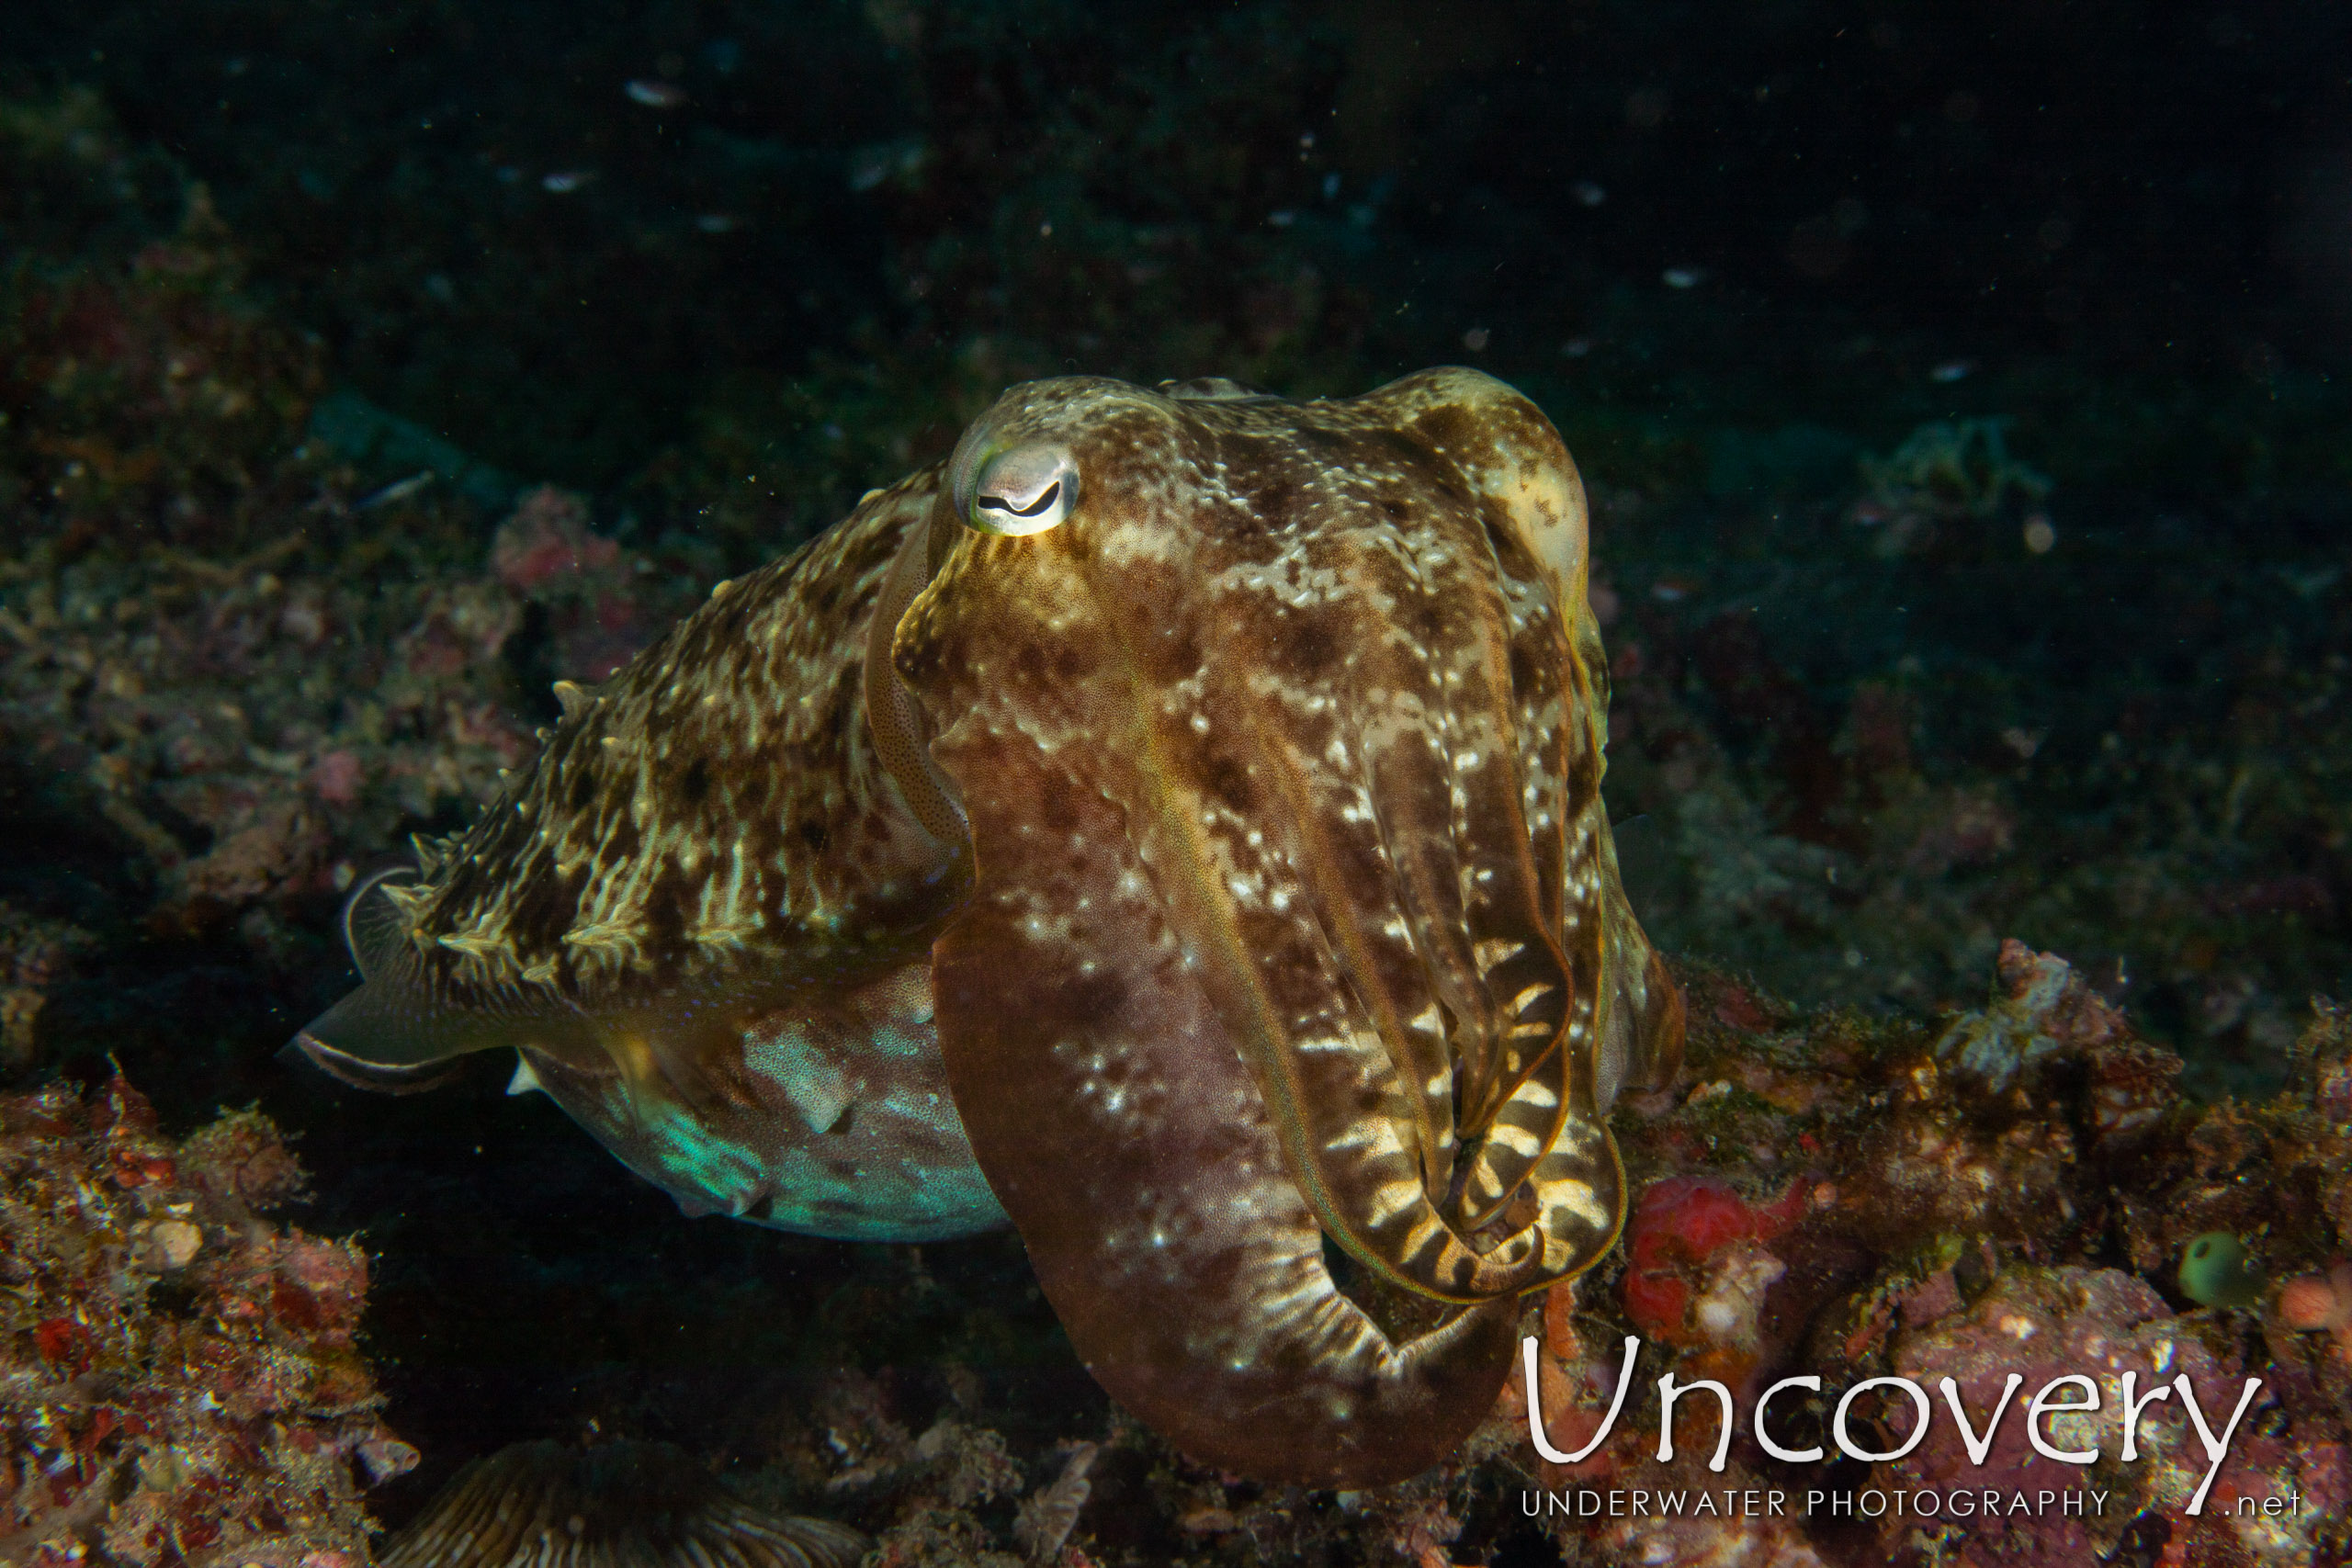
1174,824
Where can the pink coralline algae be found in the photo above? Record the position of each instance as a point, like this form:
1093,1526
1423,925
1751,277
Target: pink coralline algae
581,581
2318,1303
548,539
178,1378
2108,1328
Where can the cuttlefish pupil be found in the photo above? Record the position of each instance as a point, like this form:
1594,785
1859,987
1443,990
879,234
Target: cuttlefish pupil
1024,491
1195,868
1012,508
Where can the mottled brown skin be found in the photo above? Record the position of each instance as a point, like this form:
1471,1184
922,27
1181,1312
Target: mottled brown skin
1249,818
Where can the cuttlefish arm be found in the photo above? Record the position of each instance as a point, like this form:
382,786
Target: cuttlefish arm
1135,1149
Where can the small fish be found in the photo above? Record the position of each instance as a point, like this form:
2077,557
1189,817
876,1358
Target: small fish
563,182
397,490
656,94
871,166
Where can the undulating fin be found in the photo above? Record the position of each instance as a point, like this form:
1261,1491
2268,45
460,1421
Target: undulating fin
377,917
376,921
626,1505
398,1032
303,1049
656,861
1641,1044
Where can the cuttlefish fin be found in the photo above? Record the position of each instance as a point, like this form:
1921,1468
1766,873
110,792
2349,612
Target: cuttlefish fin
401,1033
1641,1039
376,917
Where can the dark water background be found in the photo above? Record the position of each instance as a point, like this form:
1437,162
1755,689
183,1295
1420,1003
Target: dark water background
2138,205
719,267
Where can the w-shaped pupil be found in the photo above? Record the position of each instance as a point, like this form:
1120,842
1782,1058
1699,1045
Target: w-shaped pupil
1036,507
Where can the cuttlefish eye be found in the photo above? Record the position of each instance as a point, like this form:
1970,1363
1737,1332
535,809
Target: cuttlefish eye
1025,491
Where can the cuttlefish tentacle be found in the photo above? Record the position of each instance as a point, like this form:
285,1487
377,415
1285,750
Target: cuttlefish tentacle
1440,763
1522,970
1534,506
1537,1111
1370,943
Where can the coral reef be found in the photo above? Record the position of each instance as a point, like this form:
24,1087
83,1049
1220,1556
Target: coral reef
231,661
1050,1513
2001,1201
35,953
2321,1302
1871,843
1943,477
181,1384
1696,1265
2038,1326
994,1475
251,731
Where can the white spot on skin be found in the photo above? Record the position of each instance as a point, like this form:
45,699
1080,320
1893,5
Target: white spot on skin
1397,1198
1517,1140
